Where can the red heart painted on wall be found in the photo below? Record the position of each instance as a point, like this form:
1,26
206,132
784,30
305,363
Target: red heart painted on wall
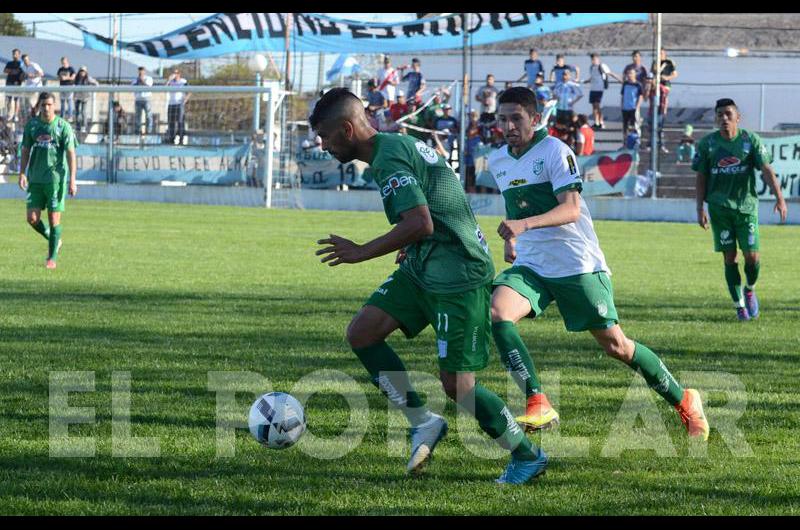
614,169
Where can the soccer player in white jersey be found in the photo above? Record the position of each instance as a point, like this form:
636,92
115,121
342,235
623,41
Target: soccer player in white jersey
550,239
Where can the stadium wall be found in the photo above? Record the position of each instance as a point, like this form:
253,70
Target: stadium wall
607,208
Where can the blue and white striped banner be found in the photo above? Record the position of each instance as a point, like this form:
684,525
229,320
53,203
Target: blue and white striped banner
226,33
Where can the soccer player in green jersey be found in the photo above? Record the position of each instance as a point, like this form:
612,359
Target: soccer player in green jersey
556,256
48,150
725,162
444,280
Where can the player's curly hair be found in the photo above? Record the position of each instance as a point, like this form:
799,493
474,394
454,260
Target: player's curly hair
522,96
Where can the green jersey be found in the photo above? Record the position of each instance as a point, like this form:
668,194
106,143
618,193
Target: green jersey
455,257
48,144
729,167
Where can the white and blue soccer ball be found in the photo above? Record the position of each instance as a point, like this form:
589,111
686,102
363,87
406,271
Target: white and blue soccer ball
277,420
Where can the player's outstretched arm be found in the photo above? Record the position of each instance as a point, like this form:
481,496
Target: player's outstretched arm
416,224
23,167
768,174
567,211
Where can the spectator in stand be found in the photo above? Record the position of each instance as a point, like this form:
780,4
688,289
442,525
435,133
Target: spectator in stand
449,124
638,68
416,81
433,111
557,72
487,96
176,111
631,100
650,94
142,101
14,76
533,67
66,77
375,99
686,147
399,109
599,72
669,71
415,120
565,133
82,78
34,76
120,119
584,138
388,79
568,93
473,140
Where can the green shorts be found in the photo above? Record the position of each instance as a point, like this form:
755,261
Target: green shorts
729,226
50,196
462,320
586,301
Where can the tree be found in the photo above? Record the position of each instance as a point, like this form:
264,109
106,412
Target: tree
11,26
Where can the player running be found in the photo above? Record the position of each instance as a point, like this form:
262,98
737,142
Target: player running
444,280
556,256
725,163
48,143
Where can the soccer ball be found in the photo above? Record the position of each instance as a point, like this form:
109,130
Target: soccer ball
277,420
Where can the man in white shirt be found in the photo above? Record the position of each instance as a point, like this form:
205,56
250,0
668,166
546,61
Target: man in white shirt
142,100
551,242
176,109
33,77
388,79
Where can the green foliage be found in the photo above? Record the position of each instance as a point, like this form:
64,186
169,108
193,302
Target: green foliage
171,292
9,25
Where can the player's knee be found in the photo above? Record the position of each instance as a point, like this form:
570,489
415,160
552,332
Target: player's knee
497,314
617,348
360,336
33,218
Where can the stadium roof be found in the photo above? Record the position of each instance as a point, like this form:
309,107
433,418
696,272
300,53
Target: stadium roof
48,54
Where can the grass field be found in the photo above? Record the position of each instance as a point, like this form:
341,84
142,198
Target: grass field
172,292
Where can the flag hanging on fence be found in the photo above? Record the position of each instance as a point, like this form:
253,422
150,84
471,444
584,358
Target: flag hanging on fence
226,33
345,65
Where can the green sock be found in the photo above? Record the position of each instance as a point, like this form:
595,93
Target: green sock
55,237
656,374
42,229
394,381
495,420
751,273
515,357
734,279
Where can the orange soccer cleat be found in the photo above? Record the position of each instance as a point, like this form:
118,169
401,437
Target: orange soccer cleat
690,410
539,414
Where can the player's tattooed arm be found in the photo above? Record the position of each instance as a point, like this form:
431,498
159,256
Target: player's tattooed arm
416,224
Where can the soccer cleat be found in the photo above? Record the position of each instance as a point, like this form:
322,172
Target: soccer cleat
50,264
690,410
742,314
521,471
751,303
424,438
539,414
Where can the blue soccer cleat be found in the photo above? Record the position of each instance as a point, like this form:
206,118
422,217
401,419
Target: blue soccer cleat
742,314
521,471
751,303
424,439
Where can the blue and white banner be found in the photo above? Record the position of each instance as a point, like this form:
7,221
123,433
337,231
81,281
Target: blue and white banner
785,152
317,169
345,65
153,164
226,33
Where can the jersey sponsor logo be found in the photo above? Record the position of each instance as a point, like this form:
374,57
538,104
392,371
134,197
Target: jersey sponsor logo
729,161
573,169
395,183
500,174
427,153
538,166
518,182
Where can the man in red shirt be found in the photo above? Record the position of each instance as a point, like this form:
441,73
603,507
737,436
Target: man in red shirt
399,109
584,138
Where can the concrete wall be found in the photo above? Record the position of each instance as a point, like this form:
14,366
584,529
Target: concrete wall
610,208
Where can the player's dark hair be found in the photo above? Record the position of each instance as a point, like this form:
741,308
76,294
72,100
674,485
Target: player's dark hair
15,50
330,104
522,96
44,96
583,119
725,102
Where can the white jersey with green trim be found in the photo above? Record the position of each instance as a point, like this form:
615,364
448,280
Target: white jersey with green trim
530,184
